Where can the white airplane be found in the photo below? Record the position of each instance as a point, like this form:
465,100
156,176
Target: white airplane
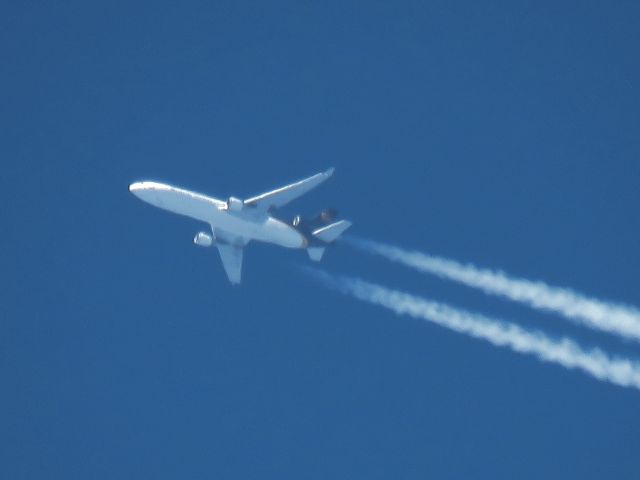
236,222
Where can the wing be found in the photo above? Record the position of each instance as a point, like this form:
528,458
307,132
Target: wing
231,256
281,196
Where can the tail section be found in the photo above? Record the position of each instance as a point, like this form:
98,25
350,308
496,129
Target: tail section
324,236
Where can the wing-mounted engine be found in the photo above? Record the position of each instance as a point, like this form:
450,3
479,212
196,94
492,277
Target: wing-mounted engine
203,239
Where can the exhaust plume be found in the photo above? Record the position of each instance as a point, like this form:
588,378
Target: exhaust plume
609,317
563,352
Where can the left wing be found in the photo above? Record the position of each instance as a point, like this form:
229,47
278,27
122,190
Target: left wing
231,256
281,196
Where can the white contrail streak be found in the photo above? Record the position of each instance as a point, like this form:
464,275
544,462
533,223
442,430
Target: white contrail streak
623,320
563,352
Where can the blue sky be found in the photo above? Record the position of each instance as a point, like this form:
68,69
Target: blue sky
501,133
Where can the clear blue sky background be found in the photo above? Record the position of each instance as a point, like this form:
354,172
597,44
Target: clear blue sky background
503,133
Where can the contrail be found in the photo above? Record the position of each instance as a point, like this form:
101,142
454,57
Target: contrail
563,352
610,317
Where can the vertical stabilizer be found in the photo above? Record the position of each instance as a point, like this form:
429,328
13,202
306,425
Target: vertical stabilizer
315,253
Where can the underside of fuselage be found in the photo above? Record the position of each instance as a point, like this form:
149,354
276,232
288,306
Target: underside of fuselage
263,228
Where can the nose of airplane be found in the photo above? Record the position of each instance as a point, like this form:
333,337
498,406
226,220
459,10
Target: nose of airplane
146,191
150,192
137,188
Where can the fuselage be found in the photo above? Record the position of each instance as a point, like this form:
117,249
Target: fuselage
247,224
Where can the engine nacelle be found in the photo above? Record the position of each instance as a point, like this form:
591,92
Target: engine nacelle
203,239
234,204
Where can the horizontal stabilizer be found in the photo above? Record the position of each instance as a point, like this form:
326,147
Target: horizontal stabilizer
329,233
315,253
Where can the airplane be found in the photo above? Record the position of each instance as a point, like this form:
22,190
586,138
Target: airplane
236,222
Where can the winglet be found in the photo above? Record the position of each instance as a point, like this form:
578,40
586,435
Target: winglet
329,172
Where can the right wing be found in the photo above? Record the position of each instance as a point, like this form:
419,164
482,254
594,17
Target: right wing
281,196
231,256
